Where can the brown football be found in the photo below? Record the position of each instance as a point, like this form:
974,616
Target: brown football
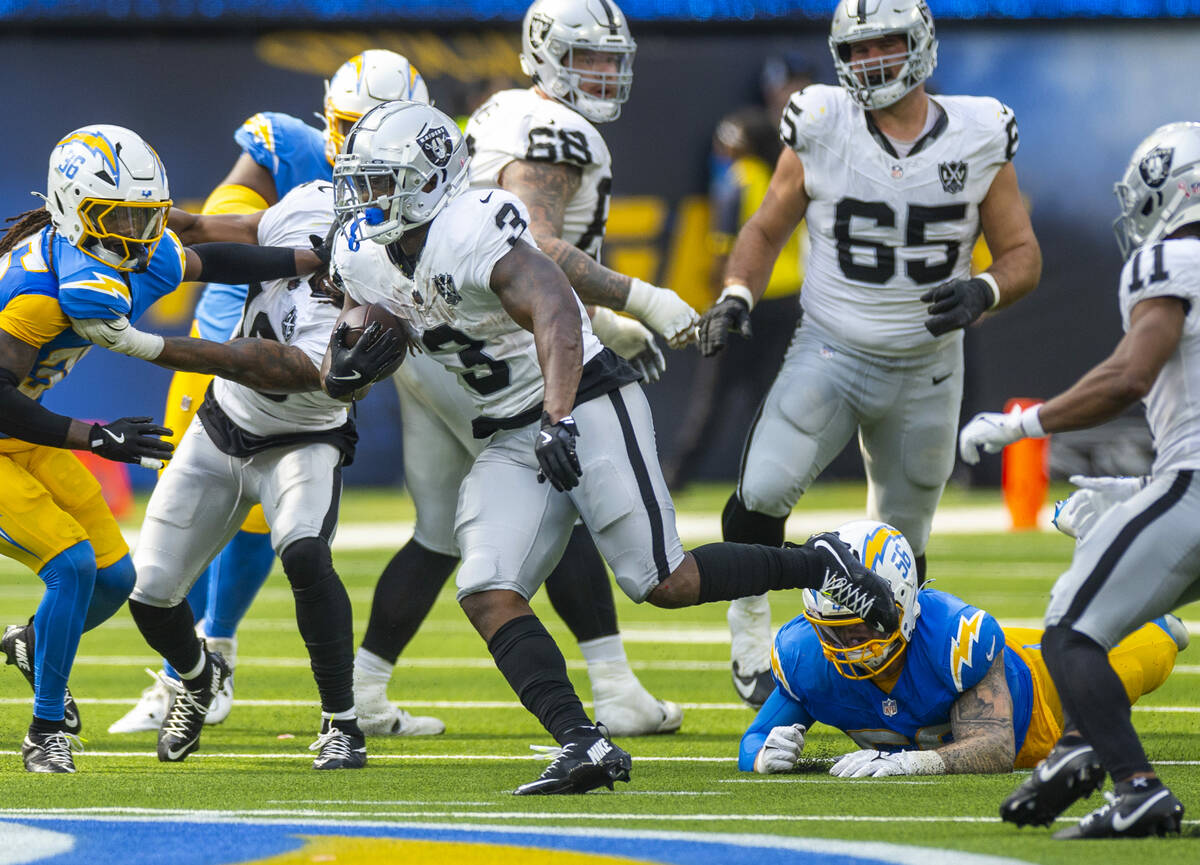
359,318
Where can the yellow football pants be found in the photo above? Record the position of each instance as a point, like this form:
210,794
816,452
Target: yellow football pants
1143,660
48,502
183,399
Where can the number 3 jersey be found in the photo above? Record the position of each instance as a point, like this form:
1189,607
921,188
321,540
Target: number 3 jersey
883,229
446,296
520,124
1170,268
286,311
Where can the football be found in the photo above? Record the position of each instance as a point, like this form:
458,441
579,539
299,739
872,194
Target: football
358,319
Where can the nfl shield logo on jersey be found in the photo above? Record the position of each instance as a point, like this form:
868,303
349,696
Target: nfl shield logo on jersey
890,707
1156,165
444,283
436,145
953,176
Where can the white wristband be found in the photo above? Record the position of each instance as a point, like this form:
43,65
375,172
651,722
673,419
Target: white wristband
925,763
995,286
1031,422
739,291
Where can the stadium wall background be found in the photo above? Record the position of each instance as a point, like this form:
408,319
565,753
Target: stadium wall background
1084,94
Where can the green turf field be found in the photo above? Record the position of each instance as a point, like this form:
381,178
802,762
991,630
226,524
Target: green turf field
257,762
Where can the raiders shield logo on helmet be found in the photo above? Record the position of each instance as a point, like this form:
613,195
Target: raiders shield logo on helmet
1156,165
444,283
953,176
436,145
539,26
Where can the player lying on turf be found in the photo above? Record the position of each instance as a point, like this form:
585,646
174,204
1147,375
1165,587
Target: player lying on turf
96,254
948,692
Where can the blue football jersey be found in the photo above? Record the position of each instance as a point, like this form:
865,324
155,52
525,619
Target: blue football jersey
953,645
45,281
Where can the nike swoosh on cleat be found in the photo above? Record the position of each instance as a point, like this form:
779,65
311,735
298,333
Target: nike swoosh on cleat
1120,822
119,439
173,754
352,377
1045,773
745,684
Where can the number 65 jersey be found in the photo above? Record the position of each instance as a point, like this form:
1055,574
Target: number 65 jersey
883,229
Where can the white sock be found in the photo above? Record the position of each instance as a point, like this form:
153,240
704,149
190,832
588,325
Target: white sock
602,650
370,669
347,715
197,670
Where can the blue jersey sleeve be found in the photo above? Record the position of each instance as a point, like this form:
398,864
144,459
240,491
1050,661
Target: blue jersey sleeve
780,710
163,276
291,150
974,641
88,288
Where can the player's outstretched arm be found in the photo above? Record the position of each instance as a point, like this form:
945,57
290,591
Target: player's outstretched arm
193,228
981,721
235,263
545,189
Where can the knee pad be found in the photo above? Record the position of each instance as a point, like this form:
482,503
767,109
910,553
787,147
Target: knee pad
743,526
307,562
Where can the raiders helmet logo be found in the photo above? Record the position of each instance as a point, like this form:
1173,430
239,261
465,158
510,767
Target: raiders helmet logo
436,145
444,283
1156,165
539,26
953,176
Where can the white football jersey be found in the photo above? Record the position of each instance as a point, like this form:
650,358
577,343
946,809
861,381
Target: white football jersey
450,304
1170,268
520,124
883,229
286,311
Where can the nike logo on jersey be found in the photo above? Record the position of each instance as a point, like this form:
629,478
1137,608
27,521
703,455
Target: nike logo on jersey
938,379
1121,822
486,200
119,439
354,376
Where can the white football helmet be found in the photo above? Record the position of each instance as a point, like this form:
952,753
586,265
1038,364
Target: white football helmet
856,650
107,195
580,52
1160,191
868,81
402,163
361,83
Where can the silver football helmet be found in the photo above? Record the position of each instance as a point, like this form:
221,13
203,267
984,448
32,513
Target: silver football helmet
401,164
1160,191
871,83
856,650
107,195
580,52
361,83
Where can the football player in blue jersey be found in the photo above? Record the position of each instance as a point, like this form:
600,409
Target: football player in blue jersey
279,152
97,253
950,691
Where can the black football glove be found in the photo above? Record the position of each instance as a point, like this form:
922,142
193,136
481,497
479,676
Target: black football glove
956,304
376,351
555,450
322,247
730,314
131,440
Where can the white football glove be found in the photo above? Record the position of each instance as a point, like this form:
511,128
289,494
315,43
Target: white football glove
630,339
1075,515
663,311
118,335
781,750
993,431
879,764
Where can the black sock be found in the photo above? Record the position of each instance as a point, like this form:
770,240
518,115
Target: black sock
404,595
743,526
42,727
729,571
534,667
1094,699
170,631
581,592
324,616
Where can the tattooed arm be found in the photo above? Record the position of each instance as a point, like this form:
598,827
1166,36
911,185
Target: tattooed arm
261,364
982,723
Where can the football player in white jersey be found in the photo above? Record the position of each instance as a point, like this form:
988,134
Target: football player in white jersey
1139,560
458,265
274,438
895,187
540,144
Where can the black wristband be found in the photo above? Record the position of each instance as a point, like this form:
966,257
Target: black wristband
25,419
237,263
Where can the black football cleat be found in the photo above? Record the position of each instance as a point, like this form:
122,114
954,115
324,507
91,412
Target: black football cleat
753,688
582,765
17,644
848,582
50,752
340,748
180,731
1130,815
1069,773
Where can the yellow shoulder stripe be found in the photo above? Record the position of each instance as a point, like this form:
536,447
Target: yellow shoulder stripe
35,319
233,198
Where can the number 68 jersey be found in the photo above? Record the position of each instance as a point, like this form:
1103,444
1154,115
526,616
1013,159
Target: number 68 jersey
446,296
883,229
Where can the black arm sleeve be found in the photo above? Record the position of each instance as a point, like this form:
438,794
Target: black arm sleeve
236,263
25,419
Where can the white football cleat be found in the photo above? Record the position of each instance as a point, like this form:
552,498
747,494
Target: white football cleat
622,704
148,713
750,648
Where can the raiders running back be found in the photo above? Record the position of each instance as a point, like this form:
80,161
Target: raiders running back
884,229
520,124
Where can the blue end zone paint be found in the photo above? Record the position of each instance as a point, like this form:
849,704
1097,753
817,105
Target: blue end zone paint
143,841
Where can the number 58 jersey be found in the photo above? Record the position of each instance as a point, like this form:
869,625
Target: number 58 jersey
884,229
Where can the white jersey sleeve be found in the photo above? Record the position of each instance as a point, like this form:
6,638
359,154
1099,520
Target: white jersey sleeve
883,229
1170,268
521,125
